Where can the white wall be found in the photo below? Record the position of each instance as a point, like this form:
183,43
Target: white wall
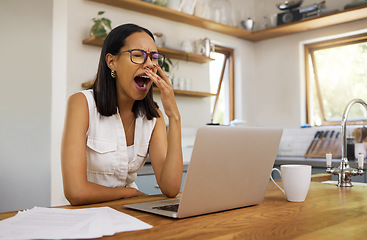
25,103
59,82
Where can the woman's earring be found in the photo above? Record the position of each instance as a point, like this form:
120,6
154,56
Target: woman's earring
113,74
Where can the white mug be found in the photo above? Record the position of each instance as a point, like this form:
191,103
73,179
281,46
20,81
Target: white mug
296,181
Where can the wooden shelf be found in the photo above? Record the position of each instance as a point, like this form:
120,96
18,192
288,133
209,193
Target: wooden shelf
188,93
94,41
89,84
190,57
170,53
331,19
167,13
309,24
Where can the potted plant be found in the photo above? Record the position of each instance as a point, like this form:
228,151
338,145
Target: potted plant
167,62
101,26
165,67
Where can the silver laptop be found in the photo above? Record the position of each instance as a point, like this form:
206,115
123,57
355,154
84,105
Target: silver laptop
229,168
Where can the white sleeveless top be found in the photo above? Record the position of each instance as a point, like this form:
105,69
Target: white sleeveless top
107,152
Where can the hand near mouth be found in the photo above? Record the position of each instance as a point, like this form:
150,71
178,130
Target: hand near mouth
166,89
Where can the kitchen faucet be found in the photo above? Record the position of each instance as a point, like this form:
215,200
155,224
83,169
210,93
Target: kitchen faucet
344,171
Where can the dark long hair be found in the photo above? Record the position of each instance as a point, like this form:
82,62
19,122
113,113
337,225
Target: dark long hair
104,86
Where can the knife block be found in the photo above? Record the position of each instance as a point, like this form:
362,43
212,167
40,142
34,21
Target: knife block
318,148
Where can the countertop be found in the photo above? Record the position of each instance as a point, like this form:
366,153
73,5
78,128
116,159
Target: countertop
329,212
314,162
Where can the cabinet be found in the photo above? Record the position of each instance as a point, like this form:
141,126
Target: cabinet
148,184
95,41
326,20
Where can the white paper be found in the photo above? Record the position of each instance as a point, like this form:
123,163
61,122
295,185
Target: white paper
57,223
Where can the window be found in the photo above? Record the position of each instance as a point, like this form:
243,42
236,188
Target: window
222,84
336,73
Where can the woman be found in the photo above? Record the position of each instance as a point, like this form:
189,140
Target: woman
110,129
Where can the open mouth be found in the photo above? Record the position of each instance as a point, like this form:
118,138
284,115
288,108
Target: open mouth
141,82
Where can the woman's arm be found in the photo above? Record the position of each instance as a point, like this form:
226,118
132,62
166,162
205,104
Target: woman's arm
166,153
77,189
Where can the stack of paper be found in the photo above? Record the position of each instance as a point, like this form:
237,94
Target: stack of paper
56,223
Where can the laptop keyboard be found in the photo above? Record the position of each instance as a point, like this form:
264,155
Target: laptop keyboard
171,208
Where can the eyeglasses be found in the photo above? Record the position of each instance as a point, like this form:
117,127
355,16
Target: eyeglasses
139,56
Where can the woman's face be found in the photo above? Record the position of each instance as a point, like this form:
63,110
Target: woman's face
131,80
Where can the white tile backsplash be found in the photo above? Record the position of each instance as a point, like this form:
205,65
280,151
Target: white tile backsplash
295,141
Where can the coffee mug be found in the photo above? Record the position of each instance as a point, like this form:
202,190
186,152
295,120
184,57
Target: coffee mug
296,181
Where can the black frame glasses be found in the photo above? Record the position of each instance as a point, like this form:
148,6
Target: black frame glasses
140,56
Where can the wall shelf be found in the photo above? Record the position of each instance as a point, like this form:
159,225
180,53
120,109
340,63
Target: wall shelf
177,92
167,13
326,20
170,53
185,56
188,93
312,23
87,85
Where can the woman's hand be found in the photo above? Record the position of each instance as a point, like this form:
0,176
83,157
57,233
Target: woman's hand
166,89
166,153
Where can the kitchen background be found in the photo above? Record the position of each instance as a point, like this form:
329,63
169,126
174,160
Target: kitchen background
43,61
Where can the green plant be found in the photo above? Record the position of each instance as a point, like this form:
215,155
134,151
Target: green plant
167,62
165,67
100,25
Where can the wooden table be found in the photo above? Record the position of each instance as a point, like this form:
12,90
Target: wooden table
329,212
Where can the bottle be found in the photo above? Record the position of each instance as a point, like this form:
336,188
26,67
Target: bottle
350,149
